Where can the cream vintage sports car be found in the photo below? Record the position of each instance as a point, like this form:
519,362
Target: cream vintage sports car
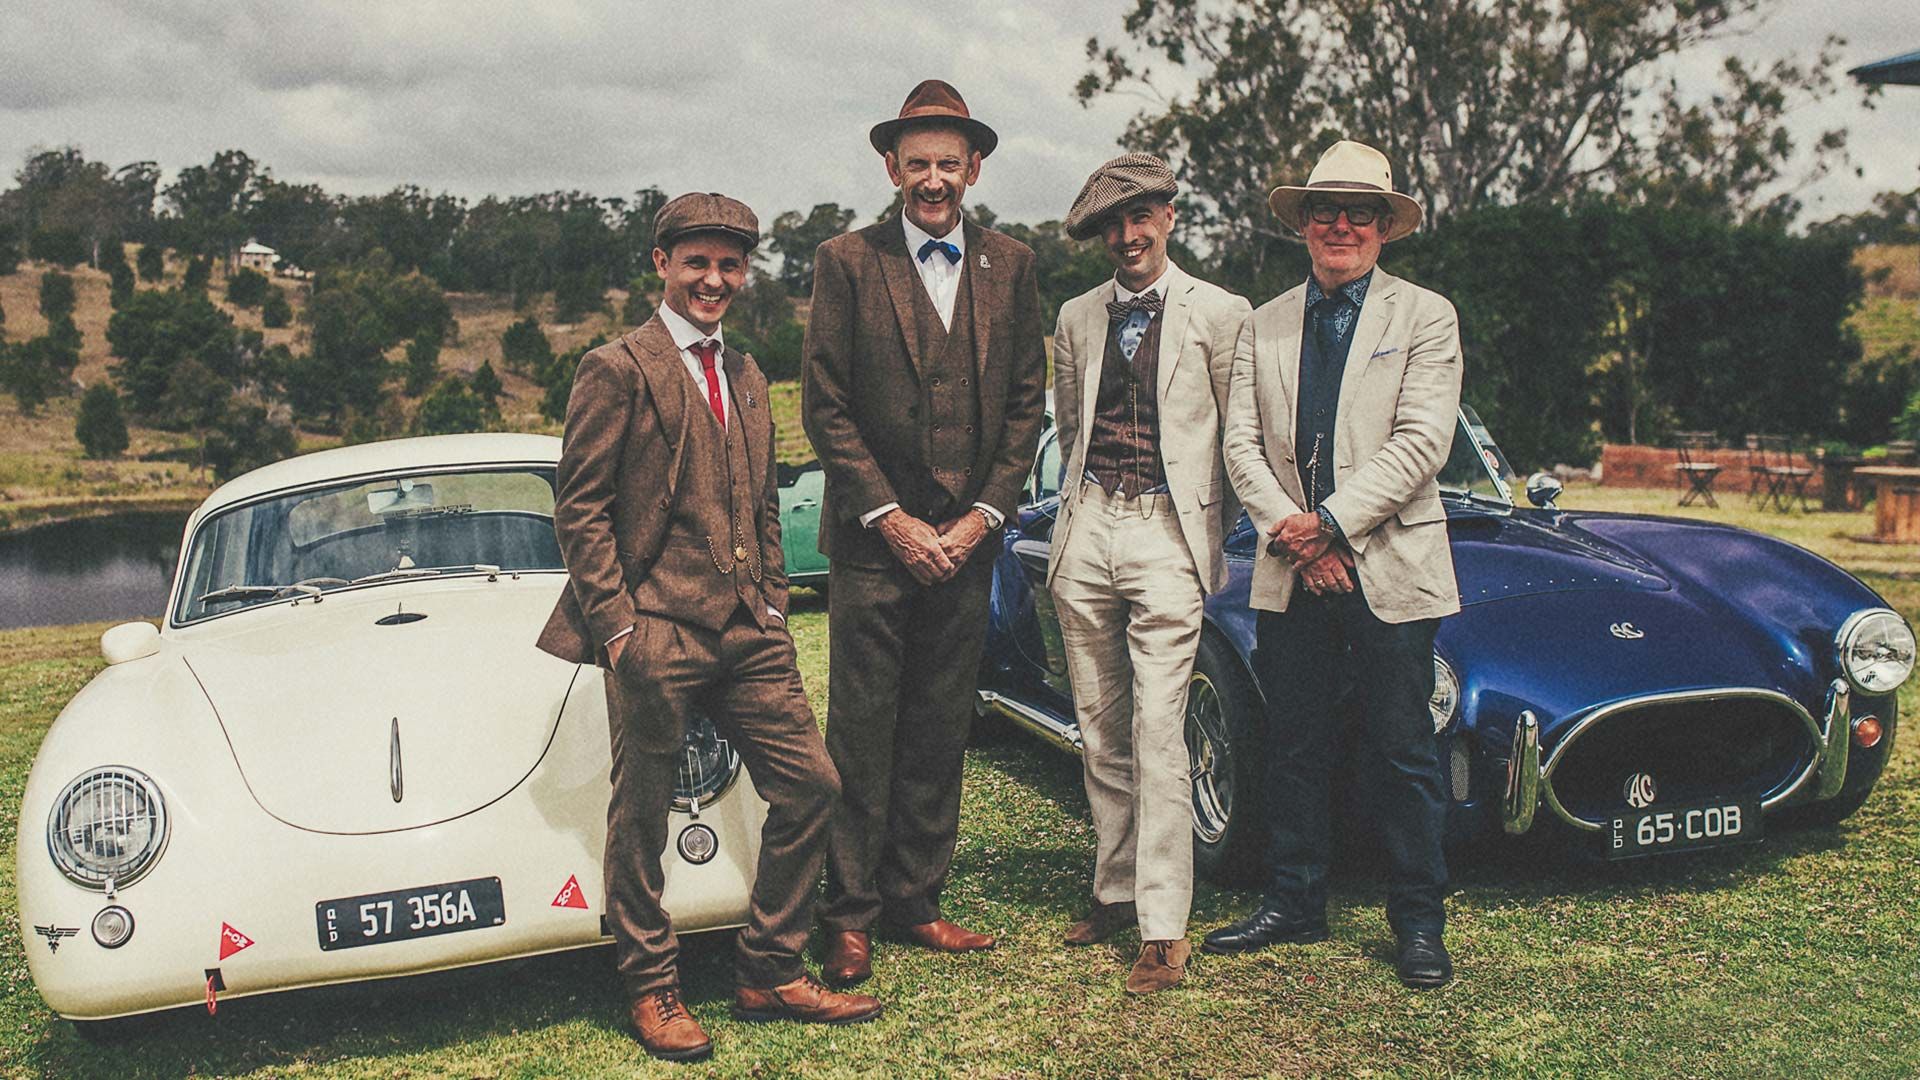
342,757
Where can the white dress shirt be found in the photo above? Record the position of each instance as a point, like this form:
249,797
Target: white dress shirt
942,281
942,278
1124,294
686,336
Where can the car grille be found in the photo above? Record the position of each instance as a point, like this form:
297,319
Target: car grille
1694,747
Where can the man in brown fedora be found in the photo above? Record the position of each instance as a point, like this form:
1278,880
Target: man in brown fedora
923,394
668,518
1341,413
1140,368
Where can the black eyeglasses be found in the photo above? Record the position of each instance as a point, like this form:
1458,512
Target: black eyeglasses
1324,213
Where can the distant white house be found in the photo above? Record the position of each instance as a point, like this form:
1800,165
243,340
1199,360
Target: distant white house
258,256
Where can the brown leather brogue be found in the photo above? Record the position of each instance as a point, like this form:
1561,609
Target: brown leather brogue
943,936
1161,964
849,958
1104,921
666,1029
803,1001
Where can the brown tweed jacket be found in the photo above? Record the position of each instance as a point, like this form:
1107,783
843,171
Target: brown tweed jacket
621,466
862,393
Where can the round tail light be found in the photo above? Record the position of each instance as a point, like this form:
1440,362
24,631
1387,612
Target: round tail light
1867,732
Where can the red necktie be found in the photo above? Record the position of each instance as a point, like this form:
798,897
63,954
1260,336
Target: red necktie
705,350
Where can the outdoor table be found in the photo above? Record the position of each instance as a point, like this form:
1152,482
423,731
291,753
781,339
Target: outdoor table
1896,503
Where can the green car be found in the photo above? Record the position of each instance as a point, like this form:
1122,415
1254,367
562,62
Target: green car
801,488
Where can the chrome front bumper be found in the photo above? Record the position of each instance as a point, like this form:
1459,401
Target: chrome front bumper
1529,780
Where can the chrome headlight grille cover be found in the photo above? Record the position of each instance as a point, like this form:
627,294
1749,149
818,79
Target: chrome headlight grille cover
1445,702
708,767
108,827
1876,650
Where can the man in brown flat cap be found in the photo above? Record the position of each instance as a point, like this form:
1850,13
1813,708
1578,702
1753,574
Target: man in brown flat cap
668,517
923,393
1140,367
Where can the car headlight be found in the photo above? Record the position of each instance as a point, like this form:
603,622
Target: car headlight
1876,650
708,766
1445,701
109,825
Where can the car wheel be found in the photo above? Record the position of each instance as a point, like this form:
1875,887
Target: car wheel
1226,757
1863,772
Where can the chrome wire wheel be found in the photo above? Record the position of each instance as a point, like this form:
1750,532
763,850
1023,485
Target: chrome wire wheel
1209,760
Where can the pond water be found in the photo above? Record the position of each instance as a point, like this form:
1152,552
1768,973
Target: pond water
114,567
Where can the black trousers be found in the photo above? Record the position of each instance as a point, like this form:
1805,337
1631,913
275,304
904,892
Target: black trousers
1303,656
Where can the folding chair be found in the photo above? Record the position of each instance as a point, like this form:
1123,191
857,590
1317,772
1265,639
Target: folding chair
1790,479
1694,472
1759,485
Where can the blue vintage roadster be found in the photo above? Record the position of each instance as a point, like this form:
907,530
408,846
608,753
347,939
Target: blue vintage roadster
1640,684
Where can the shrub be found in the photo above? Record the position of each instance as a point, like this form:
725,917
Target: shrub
151,262
524,348
247,288
275,311
101,427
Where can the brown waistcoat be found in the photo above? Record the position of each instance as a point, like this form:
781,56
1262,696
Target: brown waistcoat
1123,445
711,560
951,397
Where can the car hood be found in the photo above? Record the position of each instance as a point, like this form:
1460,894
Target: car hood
1506,556
344,719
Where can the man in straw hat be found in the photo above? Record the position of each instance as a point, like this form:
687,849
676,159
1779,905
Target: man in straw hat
668,517
1342,409
1140,366
923,394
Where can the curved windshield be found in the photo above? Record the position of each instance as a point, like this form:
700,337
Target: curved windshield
1475,465
388,529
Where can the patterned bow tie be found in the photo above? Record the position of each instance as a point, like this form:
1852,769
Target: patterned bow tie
1149,302
951,252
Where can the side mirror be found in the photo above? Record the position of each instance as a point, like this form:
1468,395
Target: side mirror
130,641
1543,489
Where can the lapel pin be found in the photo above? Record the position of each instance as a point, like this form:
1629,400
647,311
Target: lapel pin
749,397
984,264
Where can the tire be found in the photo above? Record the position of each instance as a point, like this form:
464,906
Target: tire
1226,753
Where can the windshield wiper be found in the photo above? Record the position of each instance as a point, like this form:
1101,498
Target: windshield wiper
488,569
240,592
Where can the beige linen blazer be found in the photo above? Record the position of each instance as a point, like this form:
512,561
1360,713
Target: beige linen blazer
1199,327
1399,402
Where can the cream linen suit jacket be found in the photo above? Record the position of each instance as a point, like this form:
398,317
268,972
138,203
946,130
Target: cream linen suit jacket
1199,327
1399,400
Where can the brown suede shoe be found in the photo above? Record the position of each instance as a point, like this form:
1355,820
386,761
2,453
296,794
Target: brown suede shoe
943,936
849,958
804,1001
666,1029
1104,921
1161,964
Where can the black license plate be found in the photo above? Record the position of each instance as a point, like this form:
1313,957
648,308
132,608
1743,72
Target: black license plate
405,914
1683,828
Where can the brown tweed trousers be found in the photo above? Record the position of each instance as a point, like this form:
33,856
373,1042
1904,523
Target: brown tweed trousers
655,497
903,409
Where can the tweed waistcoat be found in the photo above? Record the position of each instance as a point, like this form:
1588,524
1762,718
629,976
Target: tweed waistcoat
949,392
697,578
1123,445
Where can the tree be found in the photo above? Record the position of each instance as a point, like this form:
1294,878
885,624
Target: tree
247,288
358,312
56,295
157,331
577,294
643,295
9,245
199,273
423,364
1475,104
452,408
121,288
246,436
100,427
524,347
275,311
151,262
211,203
486,386
556,380
73,209
30,372
794,239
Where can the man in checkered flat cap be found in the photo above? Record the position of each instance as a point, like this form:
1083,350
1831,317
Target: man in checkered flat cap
1141,365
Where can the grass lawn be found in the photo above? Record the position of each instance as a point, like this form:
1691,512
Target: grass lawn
1793,958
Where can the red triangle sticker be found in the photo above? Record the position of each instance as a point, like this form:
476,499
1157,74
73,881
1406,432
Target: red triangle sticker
232,941
570,895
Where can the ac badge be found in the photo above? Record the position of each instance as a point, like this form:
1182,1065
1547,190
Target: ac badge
1640,790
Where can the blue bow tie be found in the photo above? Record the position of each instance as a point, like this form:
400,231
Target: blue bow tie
951,252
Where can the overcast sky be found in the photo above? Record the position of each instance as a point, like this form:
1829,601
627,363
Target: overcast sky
768,101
